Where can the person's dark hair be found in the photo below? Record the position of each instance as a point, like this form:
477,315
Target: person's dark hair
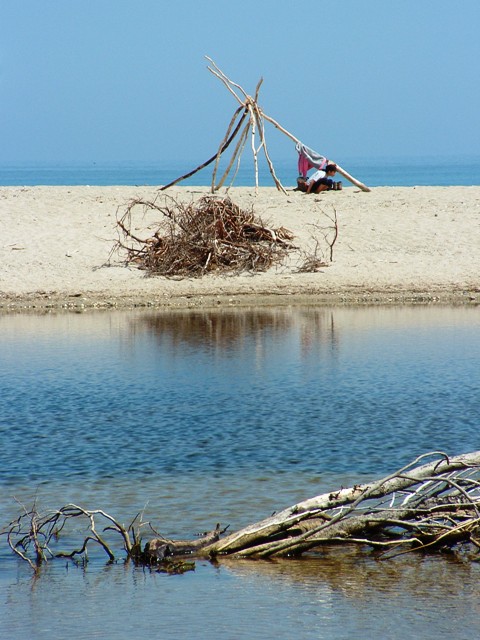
330,167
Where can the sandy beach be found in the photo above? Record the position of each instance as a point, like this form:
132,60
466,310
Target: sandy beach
394,245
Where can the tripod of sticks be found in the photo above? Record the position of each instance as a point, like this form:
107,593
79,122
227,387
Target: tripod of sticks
248,120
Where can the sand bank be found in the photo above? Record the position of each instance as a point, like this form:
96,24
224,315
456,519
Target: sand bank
395,245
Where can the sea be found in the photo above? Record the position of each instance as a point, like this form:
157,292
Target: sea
374,172
196,417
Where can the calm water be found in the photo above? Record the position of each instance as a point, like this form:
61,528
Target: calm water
225,416
391,171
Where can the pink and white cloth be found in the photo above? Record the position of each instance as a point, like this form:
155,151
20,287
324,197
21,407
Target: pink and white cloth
308,159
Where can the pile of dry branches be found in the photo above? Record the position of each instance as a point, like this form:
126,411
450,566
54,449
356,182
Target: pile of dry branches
210,235
434,507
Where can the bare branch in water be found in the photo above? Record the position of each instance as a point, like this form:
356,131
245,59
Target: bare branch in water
429,507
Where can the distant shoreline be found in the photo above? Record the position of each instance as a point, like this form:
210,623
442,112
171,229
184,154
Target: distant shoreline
396,245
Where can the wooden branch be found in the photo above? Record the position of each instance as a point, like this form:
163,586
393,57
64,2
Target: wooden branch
242,143
230,83
341,529
235,156
222,146
341,171
349,498
210,160
258,116
160,548
335,234
279,127
226,81
351,179
254,151
424,506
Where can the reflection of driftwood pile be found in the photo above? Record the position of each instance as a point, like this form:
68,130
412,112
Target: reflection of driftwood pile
434,507
210,235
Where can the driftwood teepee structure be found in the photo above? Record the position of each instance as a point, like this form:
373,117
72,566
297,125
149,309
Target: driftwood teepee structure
248,121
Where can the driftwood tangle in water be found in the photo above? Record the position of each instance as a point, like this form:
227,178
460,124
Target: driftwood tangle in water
432,507
210,235
428,507
248,120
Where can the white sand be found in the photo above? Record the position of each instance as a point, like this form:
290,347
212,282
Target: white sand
395,244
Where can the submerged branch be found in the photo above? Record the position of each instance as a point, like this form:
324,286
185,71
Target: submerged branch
427,507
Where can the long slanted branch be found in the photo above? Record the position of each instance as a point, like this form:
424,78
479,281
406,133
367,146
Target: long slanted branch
340,170
235,157
261,128
228,138
226,81
224,147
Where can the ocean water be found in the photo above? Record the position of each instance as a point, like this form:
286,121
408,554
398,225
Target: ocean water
198,417
384,171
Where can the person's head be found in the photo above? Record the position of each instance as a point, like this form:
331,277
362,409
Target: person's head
331,169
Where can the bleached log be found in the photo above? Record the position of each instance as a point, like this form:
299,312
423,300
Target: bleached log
226,81
401,480
222,147
261,128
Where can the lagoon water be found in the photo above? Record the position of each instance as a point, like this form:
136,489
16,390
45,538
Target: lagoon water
209,416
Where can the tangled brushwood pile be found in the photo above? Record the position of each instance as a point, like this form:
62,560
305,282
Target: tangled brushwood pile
195,238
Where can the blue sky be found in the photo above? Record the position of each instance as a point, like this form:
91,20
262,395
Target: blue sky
106,80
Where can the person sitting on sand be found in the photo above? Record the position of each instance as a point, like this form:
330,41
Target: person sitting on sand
322,180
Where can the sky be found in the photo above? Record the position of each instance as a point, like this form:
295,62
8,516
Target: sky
127,80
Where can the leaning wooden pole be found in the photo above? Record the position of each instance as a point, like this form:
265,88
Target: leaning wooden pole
228,138
235,158
261,130
341,171
350,178
225,146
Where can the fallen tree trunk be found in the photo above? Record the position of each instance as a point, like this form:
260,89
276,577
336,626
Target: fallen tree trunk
414,484
429,507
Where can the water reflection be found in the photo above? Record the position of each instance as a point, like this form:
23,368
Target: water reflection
357,575
230,330
332,598
336,390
